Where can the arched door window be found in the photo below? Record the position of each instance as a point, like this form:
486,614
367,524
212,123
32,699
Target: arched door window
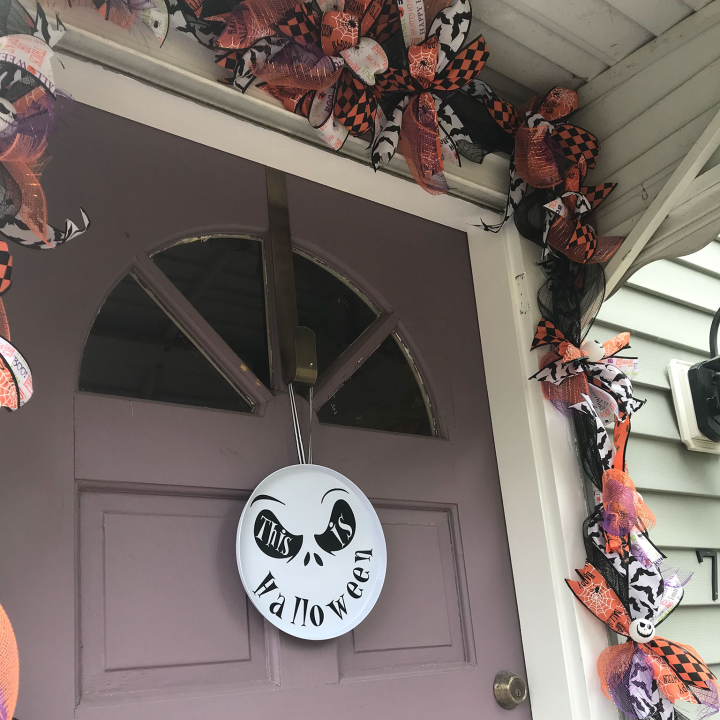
193,326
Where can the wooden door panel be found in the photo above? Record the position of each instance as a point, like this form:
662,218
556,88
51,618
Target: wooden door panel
419,620
127,563
161,603
149,442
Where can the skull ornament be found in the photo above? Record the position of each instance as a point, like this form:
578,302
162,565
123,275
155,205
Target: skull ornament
594,349
8,118
311,552
642,631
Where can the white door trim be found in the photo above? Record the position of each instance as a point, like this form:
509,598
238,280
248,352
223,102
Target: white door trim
539,474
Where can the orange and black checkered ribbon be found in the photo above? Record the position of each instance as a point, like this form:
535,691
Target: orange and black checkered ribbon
684,663
463,68
577,143
5,267
597,193
300,25
547,334
355,104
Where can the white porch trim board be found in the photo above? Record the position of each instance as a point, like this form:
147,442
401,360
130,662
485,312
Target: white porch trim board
539,474
667,199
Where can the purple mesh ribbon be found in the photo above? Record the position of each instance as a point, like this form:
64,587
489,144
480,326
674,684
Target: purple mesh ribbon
619,501
709,700
632,689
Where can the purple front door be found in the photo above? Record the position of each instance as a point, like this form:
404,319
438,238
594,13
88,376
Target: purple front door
121,492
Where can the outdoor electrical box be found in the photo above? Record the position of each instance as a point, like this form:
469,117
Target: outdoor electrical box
696,396
704,378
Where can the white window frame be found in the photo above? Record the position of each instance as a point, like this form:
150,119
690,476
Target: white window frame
539,473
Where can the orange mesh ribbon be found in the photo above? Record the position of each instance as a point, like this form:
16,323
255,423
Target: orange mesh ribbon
296,101
623,508
251,20
9,666
570,392
23,162
294,68
614,661
536,157
553,106
4,325
420,144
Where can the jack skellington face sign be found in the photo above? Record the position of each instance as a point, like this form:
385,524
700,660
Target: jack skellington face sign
311,552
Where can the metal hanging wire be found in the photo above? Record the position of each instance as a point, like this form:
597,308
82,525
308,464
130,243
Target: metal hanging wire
296,427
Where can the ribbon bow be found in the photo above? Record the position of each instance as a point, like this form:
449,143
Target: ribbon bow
413,92
546,148
648,674
476,122
125,13
609,387
322,65
569,229
27,94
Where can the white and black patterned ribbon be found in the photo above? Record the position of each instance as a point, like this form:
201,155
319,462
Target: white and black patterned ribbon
451,27
388,135
517,191
16,230
254,58
45,31
603,443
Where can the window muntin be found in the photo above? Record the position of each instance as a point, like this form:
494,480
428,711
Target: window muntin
136,350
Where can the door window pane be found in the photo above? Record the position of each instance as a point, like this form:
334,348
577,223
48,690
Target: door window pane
135,350
335,312
382,394
223,280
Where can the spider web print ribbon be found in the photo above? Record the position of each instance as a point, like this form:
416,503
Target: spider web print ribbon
16,386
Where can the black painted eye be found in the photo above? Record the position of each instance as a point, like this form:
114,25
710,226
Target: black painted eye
273,539
340,530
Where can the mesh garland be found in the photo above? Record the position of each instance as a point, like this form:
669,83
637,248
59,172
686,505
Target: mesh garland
600,561
299,67
590,462
14,20
9,667
10,194
486,136
251,20
420,144
567,393
539,159
571,297
530,216
4,325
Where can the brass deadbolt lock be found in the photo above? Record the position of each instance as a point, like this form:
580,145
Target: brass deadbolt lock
510,689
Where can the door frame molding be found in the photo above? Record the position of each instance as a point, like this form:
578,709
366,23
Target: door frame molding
539,473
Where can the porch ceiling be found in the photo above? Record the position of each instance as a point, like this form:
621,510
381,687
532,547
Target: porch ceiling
536,44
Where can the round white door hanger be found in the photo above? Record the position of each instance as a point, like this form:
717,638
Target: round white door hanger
311,552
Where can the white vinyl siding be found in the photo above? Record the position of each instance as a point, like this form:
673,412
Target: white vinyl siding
667,306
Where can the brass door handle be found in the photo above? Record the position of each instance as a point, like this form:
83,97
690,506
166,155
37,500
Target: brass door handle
510,689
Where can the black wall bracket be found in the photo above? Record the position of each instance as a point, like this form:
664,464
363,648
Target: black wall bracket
712,554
